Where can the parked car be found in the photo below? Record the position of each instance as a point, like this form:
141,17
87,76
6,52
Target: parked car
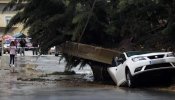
52,50
134,65
6,46
28,46
58,53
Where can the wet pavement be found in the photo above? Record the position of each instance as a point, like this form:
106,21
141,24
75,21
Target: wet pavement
32,80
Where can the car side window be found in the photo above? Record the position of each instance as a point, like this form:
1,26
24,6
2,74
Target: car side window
121,58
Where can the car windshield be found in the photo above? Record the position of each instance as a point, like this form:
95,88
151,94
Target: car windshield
131,53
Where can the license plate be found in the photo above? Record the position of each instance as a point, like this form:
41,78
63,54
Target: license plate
157,61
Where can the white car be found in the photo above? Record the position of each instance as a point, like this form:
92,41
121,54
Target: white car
6,46
52,50
133,65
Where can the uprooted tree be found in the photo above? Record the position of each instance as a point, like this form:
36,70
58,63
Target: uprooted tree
129,24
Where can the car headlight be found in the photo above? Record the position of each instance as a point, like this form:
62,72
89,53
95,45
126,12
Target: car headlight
170,55
138,59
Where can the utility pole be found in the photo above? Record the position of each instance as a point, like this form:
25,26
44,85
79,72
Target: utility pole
87,21
2,45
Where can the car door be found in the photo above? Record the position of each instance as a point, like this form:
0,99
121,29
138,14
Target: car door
120,70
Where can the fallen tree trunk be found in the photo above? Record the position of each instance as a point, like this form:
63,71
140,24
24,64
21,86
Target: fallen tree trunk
98,54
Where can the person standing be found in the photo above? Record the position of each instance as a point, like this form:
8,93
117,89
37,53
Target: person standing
12,53
16,44
15,41
22,46
35,48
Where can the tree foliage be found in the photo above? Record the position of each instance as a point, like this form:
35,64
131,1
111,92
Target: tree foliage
107,23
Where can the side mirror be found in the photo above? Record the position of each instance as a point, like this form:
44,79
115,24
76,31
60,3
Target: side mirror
120,60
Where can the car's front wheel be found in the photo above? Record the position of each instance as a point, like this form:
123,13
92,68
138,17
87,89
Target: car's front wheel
129,79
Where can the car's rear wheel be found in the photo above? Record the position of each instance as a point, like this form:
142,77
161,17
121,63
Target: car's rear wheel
129,79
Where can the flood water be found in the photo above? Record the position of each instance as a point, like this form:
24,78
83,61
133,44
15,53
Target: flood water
31,81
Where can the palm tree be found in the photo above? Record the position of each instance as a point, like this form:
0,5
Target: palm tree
97,22
46,19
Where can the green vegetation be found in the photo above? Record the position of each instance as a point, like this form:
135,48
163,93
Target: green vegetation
129,24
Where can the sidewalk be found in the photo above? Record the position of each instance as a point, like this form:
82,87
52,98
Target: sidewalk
27,53
5,58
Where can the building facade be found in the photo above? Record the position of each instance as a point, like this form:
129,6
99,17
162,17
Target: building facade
5,18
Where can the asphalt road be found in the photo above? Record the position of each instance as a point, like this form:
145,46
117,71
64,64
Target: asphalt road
13,89
88,94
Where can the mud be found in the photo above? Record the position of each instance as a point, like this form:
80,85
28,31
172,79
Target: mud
32,72
42,72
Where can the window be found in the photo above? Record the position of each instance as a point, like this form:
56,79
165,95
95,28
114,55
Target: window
122,58
7,19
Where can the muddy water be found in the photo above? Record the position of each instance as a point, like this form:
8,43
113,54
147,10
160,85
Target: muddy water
31,76
30,81
38,69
